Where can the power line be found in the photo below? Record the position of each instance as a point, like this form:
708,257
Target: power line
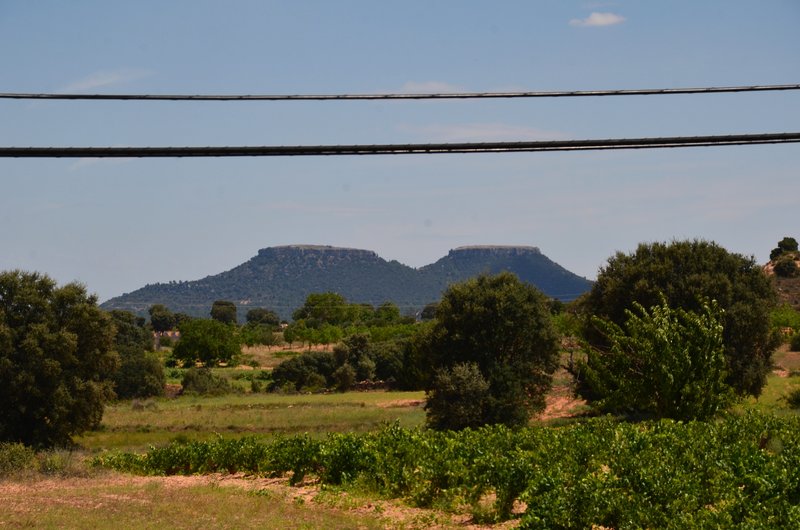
397,149
401,96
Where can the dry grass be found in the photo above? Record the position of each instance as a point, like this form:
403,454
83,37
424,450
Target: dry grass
117,502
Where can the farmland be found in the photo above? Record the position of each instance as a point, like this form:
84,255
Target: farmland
706,465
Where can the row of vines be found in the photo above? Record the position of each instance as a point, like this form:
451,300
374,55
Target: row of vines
742,471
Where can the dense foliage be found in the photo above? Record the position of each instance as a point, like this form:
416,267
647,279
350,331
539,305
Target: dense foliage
56,360
664,362
687,273
204,382
262,316
742,472
357,359
224,311
501,327
206,341
785,246
140,373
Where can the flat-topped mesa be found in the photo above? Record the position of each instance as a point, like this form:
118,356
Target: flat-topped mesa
507,250
315,249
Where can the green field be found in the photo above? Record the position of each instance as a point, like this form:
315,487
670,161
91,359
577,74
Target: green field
135,427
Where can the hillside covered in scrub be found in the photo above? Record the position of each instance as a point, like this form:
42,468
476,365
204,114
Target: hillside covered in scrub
281,278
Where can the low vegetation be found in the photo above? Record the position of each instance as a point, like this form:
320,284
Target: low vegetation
705,429
739,471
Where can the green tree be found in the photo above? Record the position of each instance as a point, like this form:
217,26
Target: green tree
502,327
686,273
140,374
324,308
663,362
786,245
161,318
56,360
265,317
224,311
253,333
206,341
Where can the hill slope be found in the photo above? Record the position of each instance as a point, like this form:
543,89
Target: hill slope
280,278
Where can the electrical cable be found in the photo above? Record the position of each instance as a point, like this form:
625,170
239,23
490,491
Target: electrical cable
397,149
400,96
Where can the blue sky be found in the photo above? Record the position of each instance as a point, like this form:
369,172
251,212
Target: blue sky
116,225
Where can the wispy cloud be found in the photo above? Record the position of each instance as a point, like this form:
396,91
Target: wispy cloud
425,87
489,132
597,20
105,78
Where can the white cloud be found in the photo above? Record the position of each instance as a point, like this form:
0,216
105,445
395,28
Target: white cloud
487,132
429,87
598,19
105,78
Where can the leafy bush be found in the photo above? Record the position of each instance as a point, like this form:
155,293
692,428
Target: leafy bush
786,267
204,382
299,371
458,399
664,362
140,375
16,457
345,377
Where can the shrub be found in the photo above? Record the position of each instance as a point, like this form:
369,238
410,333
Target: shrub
204,382
458,399
140,375
786,267
304,371
665,363
345,377
16,457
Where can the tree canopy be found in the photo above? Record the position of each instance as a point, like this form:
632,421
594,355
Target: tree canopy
260,315
140,373
496,332
161,318
56,360
206,341
224,311
686,273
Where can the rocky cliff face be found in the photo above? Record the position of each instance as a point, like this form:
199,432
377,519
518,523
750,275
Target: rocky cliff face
280,278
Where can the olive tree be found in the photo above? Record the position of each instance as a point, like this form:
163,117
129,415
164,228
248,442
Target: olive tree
494,332
56,360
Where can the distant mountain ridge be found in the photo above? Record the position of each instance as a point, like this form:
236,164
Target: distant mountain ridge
280,278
